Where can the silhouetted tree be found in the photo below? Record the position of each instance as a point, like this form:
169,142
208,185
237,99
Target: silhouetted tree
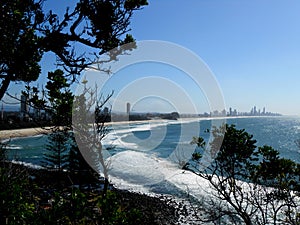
27,31
58,101
3,151
90,131
56,155
77,166
20,53
249,185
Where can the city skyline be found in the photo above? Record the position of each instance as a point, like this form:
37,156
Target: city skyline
23,109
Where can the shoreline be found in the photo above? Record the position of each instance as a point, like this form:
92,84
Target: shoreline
24,132
28,132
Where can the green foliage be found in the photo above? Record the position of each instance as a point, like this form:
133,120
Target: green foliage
60,99
258,186
275,171
76,161
77,166
67,208
81,208
20,53
133,4
237,153
56,155
3,151
27,31
16,205
199,141
196,156
113,213
22,204
90,141
56,99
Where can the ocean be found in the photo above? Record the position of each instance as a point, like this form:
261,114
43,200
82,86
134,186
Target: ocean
147,156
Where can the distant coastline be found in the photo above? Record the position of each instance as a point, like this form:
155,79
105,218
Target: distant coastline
27,132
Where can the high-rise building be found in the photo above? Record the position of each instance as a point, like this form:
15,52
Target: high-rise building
128,108
254,110
235,112
24,107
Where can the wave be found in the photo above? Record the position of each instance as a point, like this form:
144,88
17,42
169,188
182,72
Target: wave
135,127
20,138
117,142
30,165
145,173
13,147
118,133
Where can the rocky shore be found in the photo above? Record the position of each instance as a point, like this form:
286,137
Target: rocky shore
158,209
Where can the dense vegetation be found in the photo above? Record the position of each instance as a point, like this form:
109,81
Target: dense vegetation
85,31
31,196
250,184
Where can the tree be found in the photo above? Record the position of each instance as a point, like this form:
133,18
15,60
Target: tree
81,172
90,130
27,32
58,101
16,205
248,185
56,154
19,49
87,110
3,151
75,160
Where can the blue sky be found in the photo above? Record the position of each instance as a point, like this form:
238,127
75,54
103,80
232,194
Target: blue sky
252,48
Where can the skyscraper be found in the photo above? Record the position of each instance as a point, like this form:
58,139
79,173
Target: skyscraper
128,108
24,107
254,110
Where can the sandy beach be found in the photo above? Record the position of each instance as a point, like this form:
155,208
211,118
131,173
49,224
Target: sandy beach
26,132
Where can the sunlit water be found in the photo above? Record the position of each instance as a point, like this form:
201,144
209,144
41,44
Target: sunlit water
139,153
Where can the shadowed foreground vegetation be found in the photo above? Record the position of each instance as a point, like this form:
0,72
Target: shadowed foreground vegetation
38,196
249,184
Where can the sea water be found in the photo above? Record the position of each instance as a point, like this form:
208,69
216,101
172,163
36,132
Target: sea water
147,156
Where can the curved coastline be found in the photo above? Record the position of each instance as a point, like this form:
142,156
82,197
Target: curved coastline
27,132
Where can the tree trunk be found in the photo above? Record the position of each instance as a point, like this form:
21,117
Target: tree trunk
105,188
4,86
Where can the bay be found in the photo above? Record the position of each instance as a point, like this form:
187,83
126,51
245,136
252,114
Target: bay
142,155
278,132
